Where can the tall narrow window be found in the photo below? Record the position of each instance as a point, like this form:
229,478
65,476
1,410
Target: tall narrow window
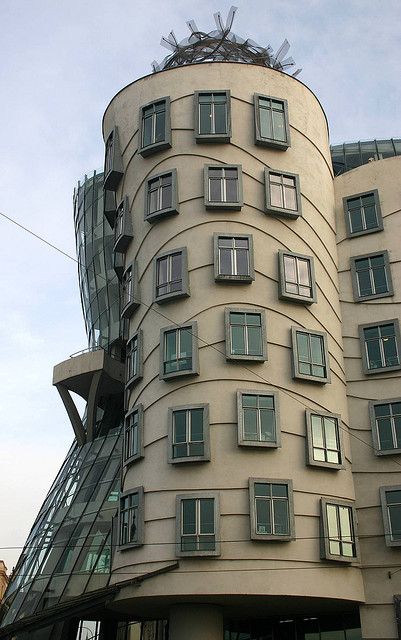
155,127
245,335
161,196
380,346
179,351
171,275
391,508
189,433
258,419
385,418
362,213
310,357
223,187
133,430
339,531
129,291
133,360
296,277
282,194
197,524
271,122
271,509
233,258
212,116
131,518
113,165
123,227
324,440
371,276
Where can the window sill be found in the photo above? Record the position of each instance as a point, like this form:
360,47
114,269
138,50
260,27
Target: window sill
154,148
285,213
161,213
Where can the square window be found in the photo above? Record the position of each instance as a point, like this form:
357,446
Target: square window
271,122
131,518
134,359
212,116
155,127
129,291
391,509
171,275
363,213
296,277
189,433
122,227
161,196
323,431
133,435
385,420
258,418
338,522
245,334
380,346
271,509
283,196
113,164
179,351
223,187
233,258
371,276
197,519
310,355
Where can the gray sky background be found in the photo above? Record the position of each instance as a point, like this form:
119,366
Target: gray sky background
61,63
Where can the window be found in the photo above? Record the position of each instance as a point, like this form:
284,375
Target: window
271,122
380,345
271,509
179,351
123,227
283,196
189,433
197,517
324,440
133,434
113,165
385,419
310,355
223,187
133,362
233,258
339,540
129,291
258,419
171,275
363,213
391,508
161,198
296,277
371,276
131,521
155,127
109,206
245,334
212,116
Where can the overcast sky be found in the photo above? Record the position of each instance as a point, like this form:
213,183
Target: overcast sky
61,63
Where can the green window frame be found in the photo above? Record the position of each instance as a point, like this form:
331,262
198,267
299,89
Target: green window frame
258,418
245,334
179,351
310,355
271,122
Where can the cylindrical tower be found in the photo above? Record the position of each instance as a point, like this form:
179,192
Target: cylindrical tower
237,458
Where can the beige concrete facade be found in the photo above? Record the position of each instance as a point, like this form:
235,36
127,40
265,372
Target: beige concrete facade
248,576
371,471
3,579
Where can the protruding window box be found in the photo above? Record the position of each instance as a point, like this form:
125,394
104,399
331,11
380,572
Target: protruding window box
161,196
123,227
310,359
130,293
133,435
271,122
271,510
212,116
188,428
371,276
380,346
233,258
179,351
198,524
283,195
134,359
324,440
223,187
245,335
258,418
109,207
171,275
113,164
391,510
363,213
131,519
338,540
119,264
296,277
155,127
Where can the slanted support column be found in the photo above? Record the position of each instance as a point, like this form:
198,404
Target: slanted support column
73,414
93,399
195,622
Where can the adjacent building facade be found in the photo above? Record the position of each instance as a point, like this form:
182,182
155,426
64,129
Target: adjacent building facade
237,470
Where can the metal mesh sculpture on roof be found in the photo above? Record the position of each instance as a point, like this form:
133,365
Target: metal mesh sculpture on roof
221,45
